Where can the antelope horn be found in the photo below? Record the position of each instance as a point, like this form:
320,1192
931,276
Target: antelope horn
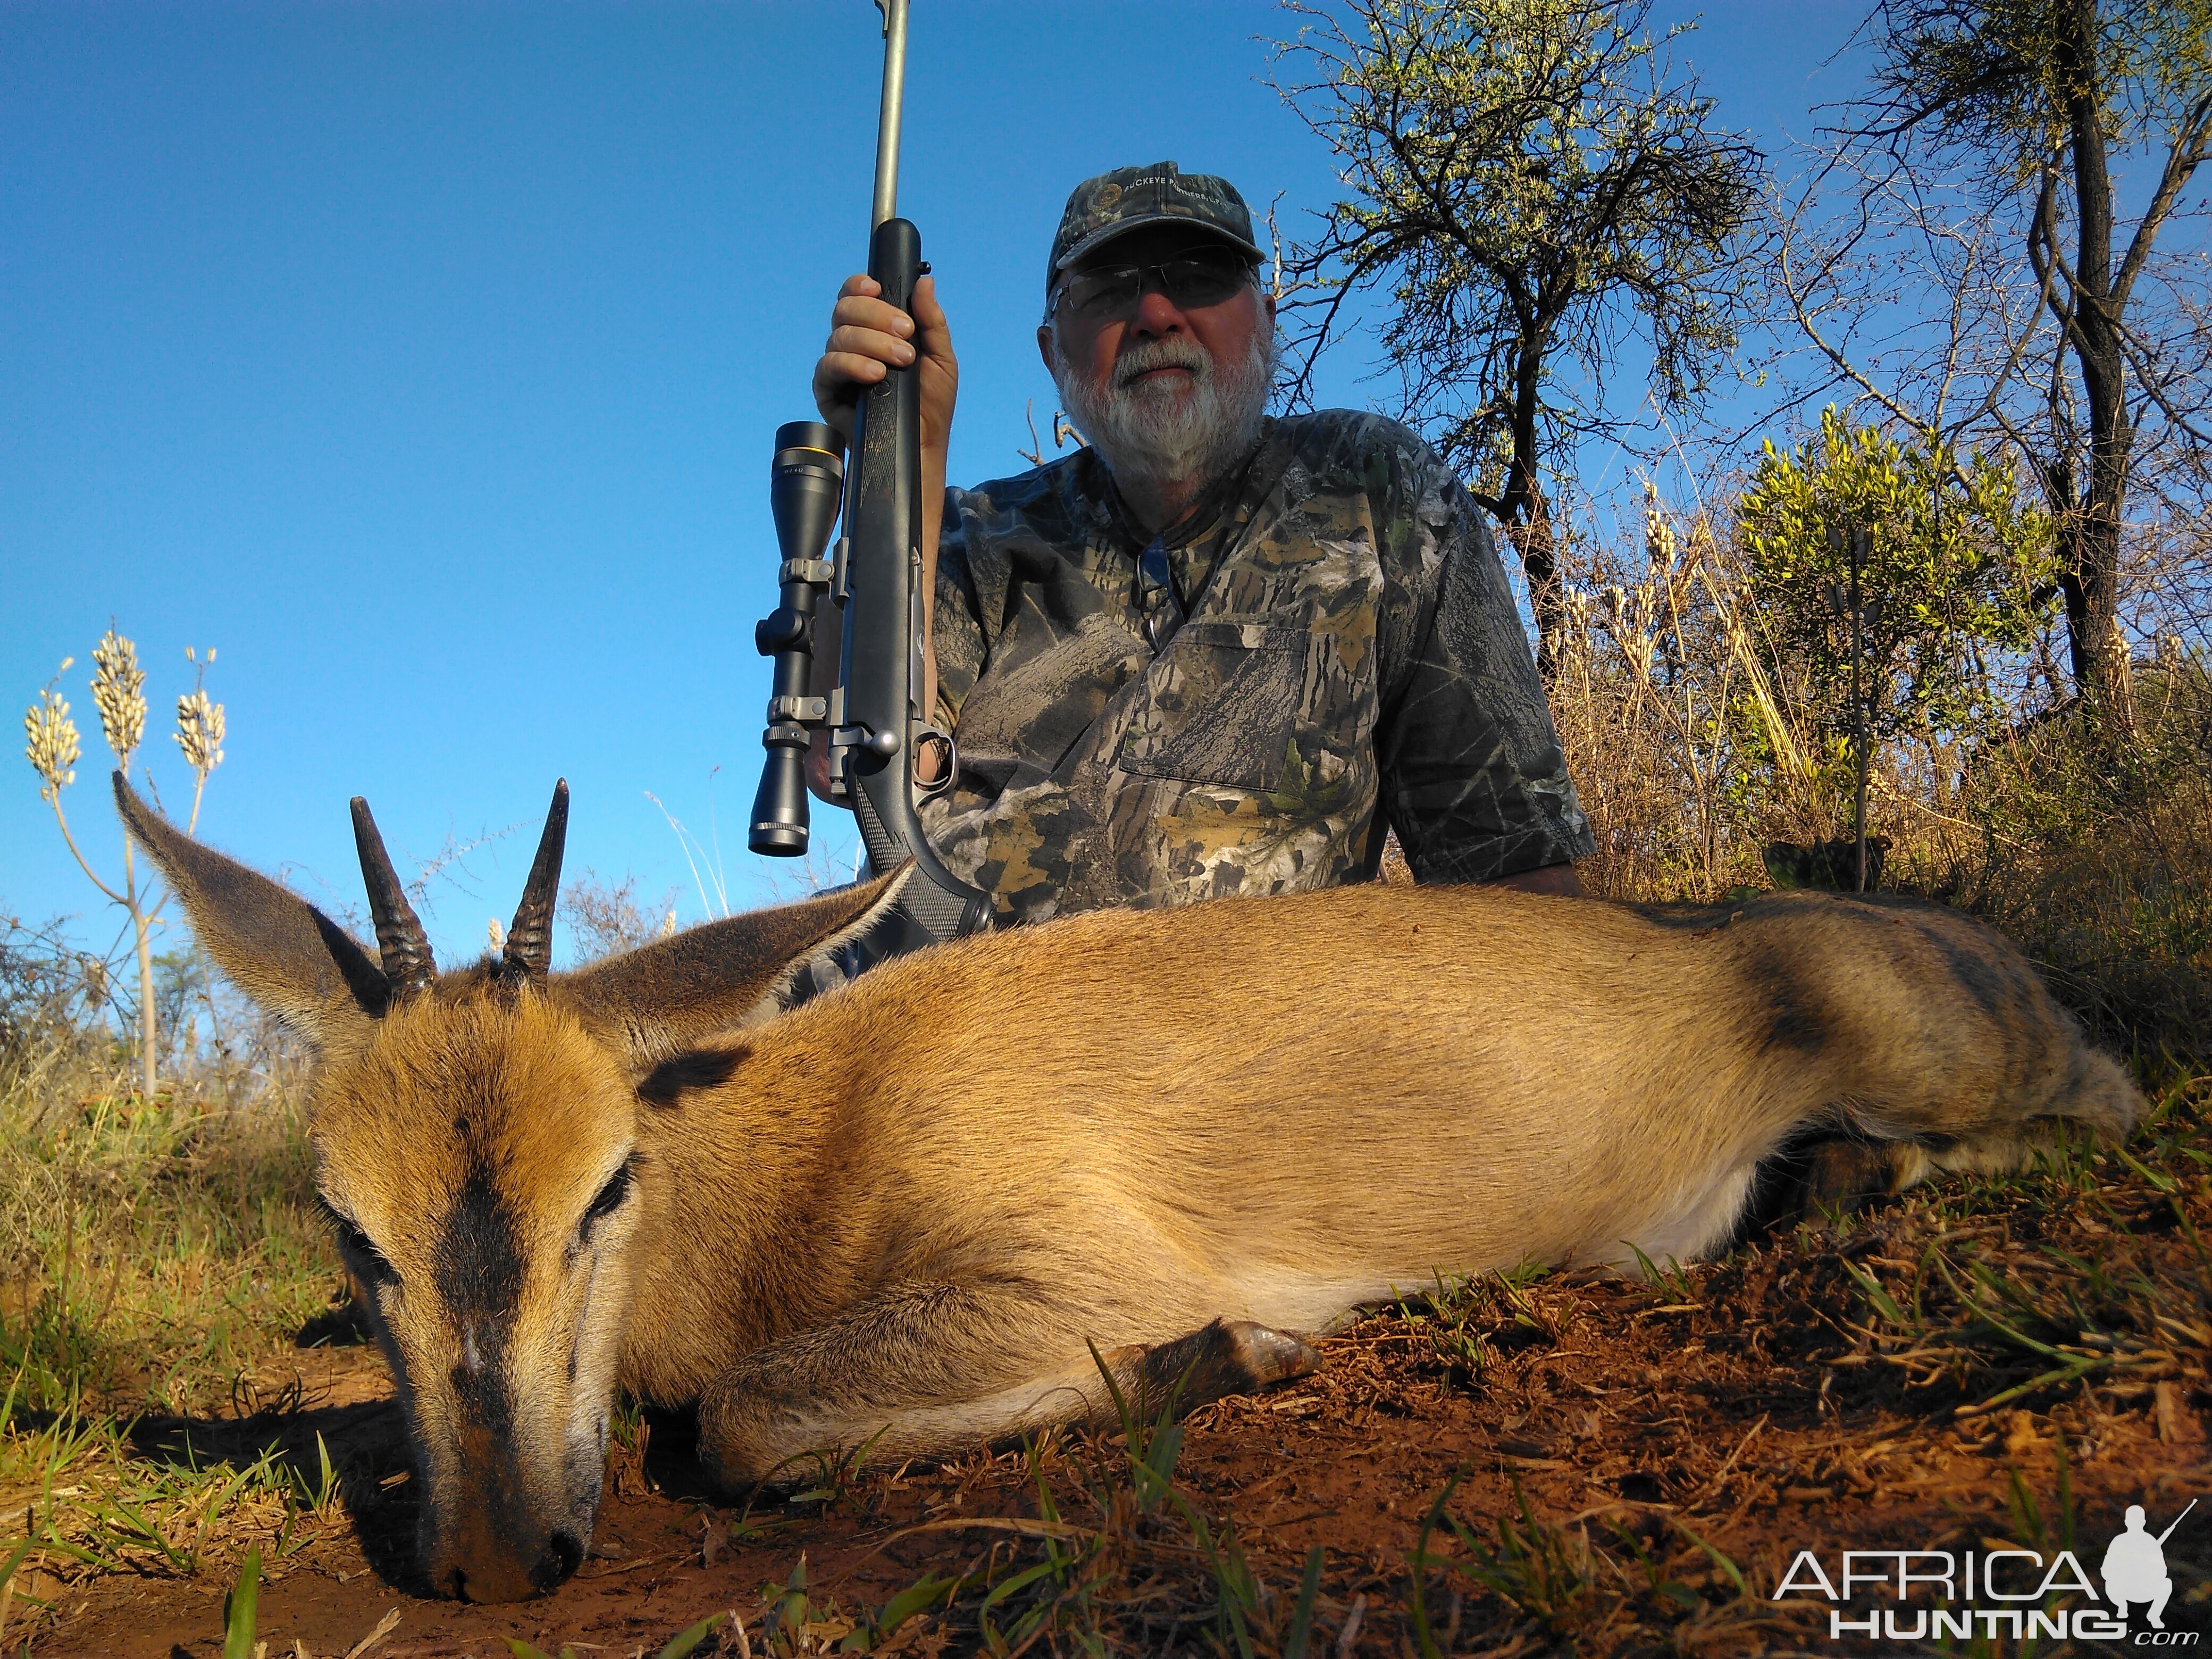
400,937
530,939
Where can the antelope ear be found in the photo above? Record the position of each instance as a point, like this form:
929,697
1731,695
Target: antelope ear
664,998
292,960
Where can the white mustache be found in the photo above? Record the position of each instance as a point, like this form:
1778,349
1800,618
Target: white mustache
1167,352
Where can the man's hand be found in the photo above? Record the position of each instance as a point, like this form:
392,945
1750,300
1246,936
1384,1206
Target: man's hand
868,337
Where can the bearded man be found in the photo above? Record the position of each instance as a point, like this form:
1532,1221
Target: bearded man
1211,652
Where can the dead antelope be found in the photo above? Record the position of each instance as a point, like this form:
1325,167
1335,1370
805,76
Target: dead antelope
904,1209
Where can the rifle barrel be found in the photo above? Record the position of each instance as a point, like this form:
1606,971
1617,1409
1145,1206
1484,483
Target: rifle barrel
887,123
2177,1520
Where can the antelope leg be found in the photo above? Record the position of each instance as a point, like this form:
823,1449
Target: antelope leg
933,1371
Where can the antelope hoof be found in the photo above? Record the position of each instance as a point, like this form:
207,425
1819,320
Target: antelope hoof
1849,1175
1266,1356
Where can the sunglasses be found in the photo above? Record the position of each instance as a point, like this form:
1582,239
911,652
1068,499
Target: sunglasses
1200,277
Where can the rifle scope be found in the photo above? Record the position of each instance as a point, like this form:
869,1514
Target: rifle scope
806,481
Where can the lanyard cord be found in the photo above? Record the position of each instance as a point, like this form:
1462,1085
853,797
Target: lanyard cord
1157,603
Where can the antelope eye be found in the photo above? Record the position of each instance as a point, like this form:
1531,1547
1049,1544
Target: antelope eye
608,1199
359,1248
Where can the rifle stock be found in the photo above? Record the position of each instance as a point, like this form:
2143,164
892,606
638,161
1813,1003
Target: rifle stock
882,607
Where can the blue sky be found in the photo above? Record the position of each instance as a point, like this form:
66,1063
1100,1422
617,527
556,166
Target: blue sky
424,360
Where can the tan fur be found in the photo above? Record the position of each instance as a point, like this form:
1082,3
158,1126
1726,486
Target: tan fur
905,1210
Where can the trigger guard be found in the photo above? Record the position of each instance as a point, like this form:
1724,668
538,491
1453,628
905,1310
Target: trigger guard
924,733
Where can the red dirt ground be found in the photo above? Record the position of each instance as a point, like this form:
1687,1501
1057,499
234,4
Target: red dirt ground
1748,1424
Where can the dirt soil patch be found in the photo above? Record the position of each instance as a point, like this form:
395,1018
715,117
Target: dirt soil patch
1605,1465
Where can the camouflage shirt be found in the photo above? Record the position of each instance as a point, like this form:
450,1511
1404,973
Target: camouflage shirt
1349,659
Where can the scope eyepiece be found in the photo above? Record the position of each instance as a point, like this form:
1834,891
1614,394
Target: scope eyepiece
809,444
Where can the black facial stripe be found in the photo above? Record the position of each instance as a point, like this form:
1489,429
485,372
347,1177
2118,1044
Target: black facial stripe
478,1271
478,1268
482,1394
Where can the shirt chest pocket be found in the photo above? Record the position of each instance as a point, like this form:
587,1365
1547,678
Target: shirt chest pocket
1220,705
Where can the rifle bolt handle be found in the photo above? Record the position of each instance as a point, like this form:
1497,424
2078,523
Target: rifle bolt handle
842,738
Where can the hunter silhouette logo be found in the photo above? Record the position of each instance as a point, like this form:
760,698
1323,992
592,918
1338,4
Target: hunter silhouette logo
2135,1566
1934,1595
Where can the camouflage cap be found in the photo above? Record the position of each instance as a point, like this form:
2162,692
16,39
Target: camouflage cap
1128,198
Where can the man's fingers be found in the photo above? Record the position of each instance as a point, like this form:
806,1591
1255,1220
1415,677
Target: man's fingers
835,366
868,337
868,343
861,312
864,336
927,310
839,381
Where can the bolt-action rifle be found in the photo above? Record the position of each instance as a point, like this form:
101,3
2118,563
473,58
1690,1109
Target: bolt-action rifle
873,580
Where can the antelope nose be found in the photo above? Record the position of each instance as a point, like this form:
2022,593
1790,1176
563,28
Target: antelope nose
564,1553
492,1580
497,1575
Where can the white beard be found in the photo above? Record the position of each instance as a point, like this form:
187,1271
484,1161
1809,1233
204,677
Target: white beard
1169,442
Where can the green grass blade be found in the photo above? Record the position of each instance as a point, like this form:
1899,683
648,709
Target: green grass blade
920,1596
16,1560
2074,1371
1644,1264
229,1490
1882,1302
1029,1576
1726,1568
1114,1389
1302,1615
681,1644
239,1620
135,1525
2164,1183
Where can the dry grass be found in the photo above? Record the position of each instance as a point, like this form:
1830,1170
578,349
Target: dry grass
150,1251
154,1255
1689,743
